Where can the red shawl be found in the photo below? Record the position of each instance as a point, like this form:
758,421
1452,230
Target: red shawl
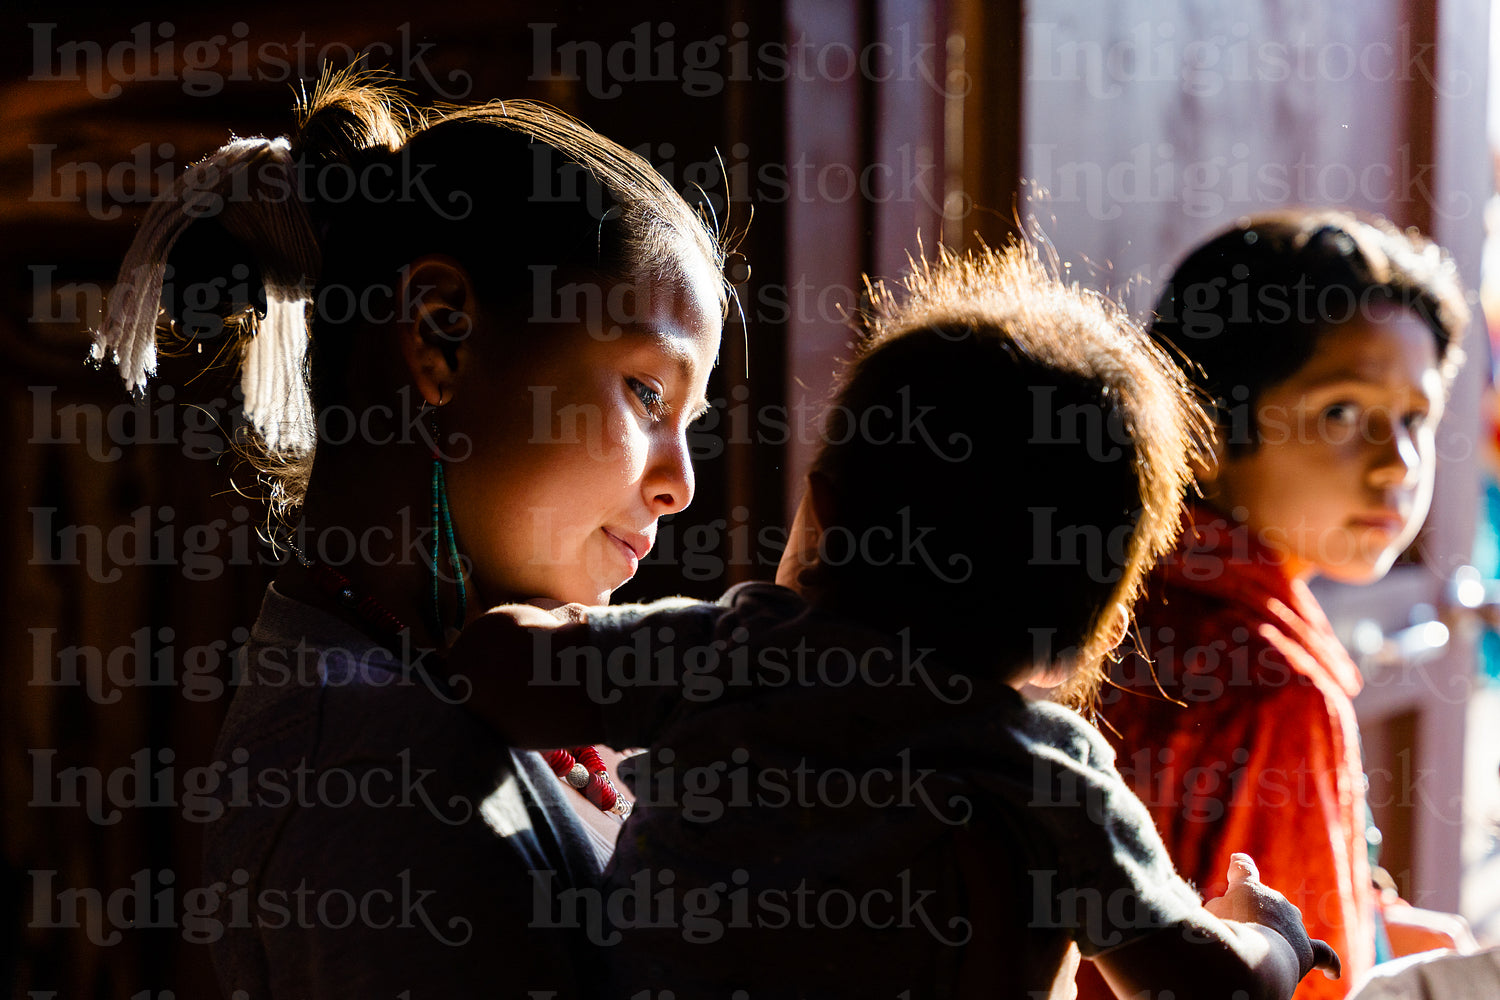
1262,754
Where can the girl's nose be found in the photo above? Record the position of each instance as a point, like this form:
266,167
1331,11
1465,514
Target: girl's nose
669,481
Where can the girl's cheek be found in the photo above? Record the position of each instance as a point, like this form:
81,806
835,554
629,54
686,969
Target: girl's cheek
619,429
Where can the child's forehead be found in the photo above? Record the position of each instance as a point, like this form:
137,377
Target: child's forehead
1393,348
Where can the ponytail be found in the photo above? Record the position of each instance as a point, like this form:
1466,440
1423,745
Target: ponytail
250,187
276,230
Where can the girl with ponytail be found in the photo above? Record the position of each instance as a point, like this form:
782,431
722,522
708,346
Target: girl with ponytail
471,343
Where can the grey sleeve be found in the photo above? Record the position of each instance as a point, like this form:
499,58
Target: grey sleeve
1115,882
643,658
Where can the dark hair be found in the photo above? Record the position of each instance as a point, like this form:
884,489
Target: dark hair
505,188
1246,309
1029,444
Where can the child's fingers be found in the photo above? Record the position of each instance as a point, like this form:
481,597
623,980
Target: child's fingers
1242,869
1325,958
565,613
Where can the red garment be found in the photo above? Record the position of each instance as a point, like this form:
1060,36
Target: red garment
1263,754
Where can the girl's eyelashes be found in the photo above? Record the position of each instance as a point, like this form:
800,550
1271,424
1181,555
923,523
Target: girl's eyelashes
1414,419
1342,412
1346,413
655,406
1413,422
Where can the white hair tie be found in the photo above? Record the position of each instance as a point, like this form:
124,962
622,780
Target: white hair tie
251,188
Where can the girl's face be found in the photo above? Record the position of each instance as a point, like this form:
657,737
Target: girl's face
579,440
1342,478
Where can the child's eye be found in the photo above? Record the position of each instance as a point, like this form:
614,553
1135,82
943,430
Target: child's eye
1414,419
1341,413
649,397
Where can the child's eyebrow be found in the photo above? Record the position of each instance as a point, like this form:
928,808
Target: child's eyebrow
681,360
1362,380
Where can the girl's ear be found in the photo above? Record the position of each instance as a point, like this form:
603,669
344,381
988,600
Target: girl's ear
820,495
1115,621
1207,461
1114,624
437,312
805,536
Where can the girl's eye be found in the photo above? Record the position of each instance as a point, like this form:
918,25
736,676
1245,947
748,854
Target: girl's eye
1341,413
649,397
1414,419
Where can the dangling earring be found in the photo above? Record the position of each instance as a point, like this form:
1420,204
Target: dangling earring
443,539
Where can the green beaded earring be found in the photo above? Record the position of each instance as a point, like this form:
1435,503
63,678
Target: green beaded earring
443,539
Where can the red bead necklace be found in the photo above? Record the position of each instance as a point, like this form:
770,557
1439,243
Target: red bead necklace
582,768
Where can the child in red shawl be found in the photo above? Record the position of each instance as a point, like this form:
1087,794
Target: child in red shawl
1327,344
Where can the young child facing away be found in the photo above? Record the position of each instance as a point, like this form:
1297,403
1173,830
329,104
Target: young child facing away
846,794
1328,344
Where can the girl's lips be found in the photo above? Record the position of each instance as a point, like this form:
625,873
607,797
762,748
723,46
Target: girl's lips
632,557
1391,524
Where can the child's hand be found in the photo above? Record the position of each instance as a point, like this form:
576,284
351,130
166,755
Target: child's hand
564,613
506,657
1251,901
540,612
1248,942
1412,929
